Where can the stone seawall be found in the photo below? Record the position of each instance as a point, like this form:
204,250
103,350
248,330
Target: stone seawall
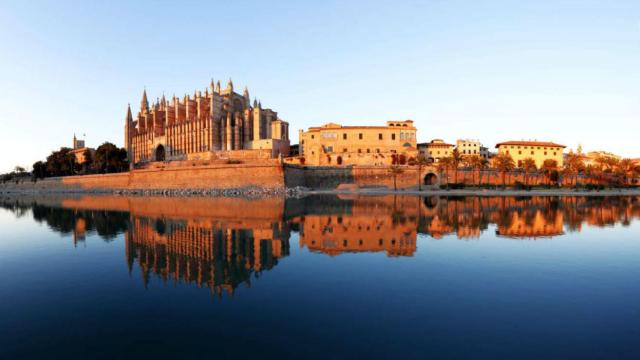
268,176
328,177
317,177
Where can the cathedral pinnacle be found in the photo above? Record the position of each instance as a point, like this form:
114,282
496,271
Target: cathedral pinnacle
144,103
230,85
129,116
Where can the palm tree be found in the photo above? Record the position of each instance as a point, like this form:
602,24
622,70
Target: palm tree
573,165
528,165
456,160
548,167
395,170
504,163
442,166
475,163
421,162
625,168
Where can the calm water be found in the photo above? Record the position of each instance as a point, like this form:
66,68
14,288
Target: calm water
108,277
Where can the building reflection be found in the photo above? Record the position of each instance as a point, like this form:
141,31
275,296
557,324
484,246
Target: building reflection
214,243
222,243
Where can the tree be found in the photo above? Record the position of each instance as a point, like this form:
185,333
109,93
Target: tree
395,170
442,166
528,165
19,169
456,160
61,163
39,170
87,165
625,168
573,165
420,162
109,158
475,163
549,166
504,163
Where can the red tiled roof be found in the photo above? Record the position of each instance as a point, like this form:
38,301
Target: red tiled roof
531,143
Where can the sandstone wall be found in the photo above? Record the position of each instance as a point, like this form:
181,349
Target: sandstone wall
318,177
268,175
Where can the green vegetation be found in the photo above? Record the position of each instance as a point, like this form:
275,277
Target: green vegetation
108,158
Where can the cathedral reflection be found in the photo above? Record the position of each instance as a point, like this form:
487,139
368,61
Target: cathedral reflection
207,254
223,243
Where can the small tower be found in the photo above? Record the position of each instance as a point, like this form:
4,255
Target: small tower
128,129
245,94
144,103
218,87
230,85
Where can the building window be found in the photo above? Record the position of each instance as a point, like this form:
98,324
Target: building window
393,136
379,136
313,136
368,151
344,136
519,152
554,153
378,150
359,150
531,152
360,136
344,150
545,153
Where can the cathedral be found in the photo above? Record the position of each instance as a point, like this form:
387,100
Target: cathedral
216,124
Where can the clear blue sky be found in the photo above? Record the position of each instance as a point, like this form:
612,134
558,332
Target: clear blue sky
565,71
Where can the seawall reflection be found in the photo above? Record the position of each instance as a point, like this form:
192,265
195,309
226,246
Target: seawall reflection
223,243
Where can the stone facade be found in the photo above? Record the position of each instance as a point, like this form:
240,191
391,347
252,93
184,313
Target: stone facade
539,151
468,147
334,144
79,150
435,150
200,127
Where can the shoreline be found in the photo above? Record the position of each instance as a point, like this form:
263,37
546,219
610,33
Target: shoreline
481,192
302,192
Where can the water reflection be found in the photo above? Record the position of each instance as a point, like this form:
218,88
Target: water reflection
223,243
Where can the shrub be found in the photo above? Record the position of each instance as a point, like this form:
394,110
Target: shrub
520,186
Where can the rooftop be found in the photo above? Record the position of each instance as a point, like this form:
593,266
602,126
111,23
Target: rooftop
530,143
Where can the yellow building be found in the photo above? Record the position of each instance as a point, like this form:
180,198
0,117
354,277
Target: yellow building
334,144
435,150
591,158
539,151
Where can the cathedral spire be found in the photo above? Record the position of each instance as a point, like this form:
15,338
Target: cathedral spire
129,118
230,85
218,86
144,103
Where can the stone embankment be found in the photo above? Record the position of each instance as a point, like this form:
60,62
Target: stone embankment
246,192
